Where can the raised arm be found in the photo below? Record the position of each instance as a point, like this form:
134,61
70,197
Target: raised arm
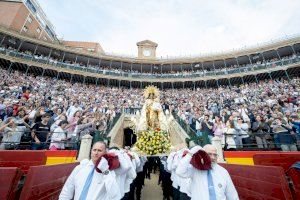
184,168
124,164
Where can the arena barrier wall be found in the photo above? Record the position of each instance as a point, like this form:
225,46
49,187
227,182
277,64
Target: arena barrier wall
245,157
45,182
295,178
23,159
9,179
284,160
259,182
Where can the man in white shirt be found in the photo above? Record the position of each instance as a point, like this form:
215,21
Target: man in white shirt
207,184
85,183
183,183
139,181
124,173
180,184
131,175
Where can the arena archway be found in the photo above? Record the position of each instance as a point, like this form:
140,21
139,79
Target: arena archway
129,137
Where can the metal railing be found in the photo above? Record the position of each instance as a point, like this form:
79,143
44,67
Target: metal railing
199,140
113,122
272,141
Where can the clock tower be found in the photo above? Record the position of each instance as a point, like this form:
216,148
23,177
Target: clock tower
146,49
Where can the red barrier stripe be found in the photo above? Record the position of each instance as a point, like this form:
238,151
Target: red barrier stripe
63,153
244,154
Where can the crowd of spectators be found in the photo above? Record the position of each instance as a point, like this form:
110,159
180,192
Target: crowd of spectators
44,109
263,115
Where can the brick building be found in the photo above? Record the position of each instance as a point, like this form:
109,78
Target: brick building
28,18
93,47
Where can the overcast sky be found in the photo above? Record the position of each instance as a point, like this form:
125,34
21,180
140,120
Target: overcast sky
180,27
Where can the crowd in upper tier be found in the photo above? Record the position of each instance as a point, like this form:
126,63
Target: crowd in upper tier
41,109
156,71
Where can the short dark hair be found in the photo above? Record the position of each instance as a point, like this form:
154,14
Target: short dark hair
116,148
63,122
46,115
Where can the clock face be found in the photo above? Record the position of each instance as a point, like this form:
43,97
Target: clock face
146,52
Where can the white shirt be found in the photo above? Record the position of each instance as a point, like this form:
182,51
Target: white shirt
136,160
72,110
103,187
183,182
12,135
170,161
123,171
224,187
176,180
56,138
242,129
174,176
131,174
143,160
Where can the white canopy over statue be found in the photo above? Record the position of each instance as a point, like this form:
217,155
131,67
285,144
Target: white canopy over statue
152,115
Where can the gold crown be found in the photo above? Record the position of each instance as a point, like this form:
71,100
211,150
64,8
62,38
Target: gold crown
151,90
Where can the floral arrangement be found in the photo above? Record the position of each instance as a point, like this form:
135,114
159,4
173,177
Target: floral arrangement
153,142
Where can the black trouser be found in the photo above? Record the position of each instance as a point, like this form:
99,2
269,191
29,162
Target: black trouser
139,182
246,142
36,146
129,195
167,185
131,192
126,196
184,196
147,169
176,193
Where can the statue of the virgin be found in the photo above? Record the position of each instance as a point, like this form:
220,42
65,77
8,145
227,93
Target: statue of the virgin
152,115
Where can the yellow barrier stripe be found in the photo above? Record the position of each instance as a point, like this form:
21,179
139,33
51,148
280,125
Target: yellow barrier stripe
240,161
59,160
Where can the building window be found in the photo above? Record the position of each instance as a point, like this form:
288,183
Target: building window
91,50
38,30
29,20
31,6
79,48
25,29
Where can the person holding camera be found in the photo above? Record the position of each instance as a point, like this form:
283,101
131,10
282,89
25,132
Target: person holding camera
242,137
206,127
285,135
260,128
11,134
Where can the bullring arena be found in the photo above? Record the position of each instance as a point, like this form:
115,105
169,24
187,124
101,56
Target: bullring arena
80,123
